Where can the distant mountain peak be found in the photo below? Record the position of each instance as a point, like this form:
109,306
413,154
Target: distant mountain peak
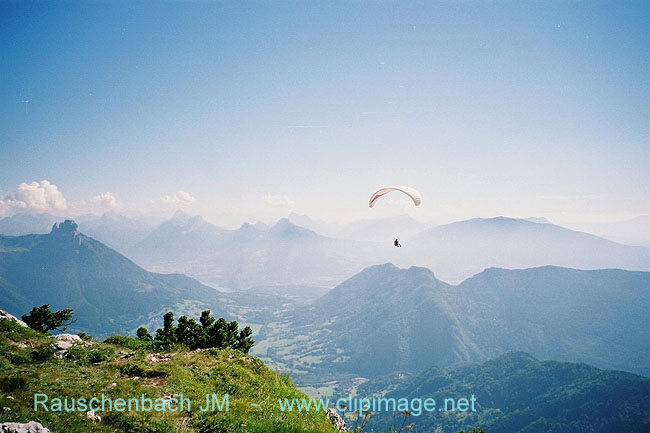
180,217
420,270
383,267
512,220
65,228
284,222
248,227
500,219
516,356
188,222
286,229
261,226
385,270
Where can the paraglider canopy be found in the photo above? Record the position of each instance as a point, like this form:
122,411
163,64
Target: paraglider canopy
411,192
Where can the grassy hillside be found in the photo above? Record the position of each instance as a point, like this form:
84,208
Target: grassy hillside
127,370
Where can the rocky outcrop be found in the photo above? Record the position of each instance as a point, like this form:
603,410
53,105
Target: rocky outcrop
64,342
157,357
67,228
336,419
30,427
6,316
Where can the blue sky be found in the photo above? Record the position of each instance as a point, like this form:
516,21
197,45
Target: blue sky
256,109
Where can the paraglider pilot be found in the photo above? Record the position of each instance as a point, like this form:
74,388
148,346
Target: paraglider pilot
397,244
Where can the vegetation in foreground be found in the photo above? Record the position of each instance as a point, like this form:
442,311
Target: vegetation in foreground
128,367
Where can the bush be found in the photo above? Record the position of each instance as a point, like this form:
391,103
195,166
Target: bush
97,356
12,383
85,336
11,327
18,359
128,342
132,370
143,334
42,353
205,334
88,355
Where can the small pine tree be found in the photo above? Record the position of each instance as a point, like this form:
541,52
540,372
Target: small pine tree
166,336
189,332
143,334
44,320
217,334
244,340
232,332
205,319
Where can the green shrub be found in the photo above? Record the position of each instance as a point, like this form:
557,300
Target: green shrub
143,334
132,370
42,353
205,334
89,355
97,356
128,342
85,336
12,383
10,327
18,359
163,345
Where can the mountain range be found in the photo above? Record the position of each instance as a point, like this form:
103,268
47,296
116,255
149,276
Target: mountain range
381,321
388,319
459,250
115,230
27,223
108,292
252,255
288,254
301,251
518,393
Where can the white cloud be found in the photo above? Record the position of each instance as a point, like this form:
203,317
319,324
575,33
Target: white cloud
105,201
279,200
35,197
180,198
